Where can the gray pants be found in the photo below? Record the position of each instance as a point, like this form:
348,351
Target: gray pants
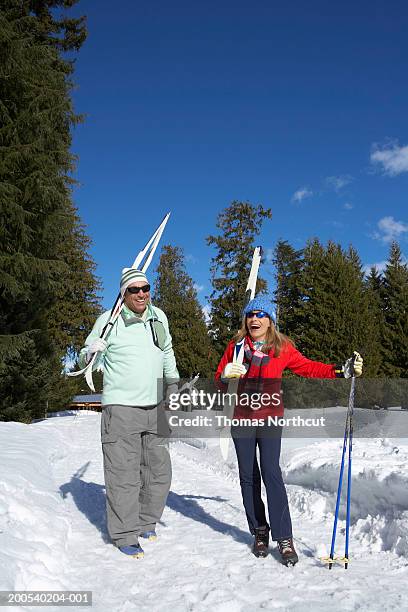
137,470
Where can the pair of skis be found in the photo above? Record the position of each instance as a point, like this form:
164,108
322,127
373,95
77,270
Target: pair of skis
141,262
348,440
238,356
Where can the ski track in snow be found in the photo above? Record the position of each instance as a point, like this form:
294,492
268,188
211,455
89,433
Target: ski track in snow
53,527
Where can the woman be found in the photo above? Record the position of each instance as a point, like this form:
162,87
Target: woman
267,354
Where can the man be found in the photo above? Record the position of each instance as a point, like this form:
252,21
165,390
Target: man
136,356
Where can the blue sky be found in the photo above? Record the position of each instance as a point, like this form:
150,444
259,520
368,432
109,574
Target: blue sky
299,106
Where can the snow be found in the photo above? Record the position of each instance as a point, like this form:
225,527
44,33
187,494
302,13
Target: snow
53,528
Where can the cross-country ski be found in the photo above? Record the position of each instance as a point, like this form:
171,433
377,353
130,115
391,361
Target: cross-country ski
142,261
239,352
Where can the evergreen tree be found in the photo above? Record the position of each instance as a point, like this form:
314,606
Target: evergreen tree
175,294
394,299
373,287
334,318
239,224
309,288
73,314
288,296
37,218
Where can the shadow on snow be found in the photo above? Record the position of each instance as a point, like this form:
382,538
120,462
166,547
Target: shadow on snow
189,507
90,499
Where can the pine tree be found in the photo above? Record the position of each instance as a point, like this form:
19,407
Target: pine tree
334,318
394,298
37,218
304,333
373,287
288,296
78,303
175,294
239,224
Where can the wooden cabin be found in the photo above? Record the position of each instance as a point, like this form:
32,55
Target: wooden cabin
86,402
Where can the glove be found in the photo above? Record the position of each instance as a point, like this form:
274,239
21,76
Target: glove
172,389
97,346
233,370
357,366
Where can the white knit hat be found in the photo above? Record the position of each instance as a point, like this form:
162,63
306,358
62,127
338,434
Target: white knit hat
129,276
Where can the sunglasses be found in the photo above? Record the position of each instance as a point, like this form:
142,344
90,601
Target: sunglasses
259,315
145,289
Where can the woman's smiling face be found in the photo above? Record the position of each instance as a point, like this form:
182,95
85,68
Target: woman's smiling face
258,325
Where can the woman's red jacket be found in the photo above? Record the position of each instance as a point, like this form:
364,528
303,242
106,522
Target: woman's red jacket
289,358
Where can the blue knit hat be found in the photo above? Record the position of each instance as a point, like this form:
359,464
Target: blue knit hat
261,302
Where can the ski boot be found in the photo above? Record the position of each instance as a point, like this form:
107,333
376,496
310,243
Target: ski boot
261,542
133,550
287,552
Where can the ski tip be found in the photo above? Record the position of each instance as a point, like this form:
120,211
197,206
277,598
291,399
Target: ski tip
164,221
224,446
76,373
88,378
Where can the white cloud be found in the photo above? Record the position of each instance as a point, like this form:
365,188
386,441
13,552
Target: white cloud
392,158
390,229
338,182
380,266
301,194
348,206
190,258
198,288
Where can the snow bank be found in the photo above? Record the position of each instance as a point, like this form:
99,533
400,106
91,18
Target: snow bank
53,527
379,489
33,523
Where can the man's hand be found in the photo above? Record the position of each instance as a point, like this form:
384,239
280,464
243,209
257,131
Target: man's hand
233,370
97,346
355,368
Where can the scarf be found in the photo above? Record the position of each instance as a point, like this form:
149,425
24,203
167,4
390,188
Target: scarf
256,359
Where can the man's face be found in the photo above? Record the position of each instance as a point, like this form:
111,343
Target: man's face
137,302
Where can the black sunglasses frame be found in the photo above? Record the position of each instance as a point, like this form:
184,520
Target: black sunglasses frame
135,290
252,315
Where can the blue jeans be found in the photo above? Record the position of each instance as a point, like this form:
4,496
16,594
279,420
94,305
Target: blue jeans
268,439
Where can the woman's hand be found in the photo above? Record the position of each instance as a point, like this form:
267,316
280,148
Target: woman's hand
233,370
353,366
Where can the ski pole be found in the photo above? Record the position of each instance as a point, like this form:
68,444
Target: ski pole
336,513
348,437
350,449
